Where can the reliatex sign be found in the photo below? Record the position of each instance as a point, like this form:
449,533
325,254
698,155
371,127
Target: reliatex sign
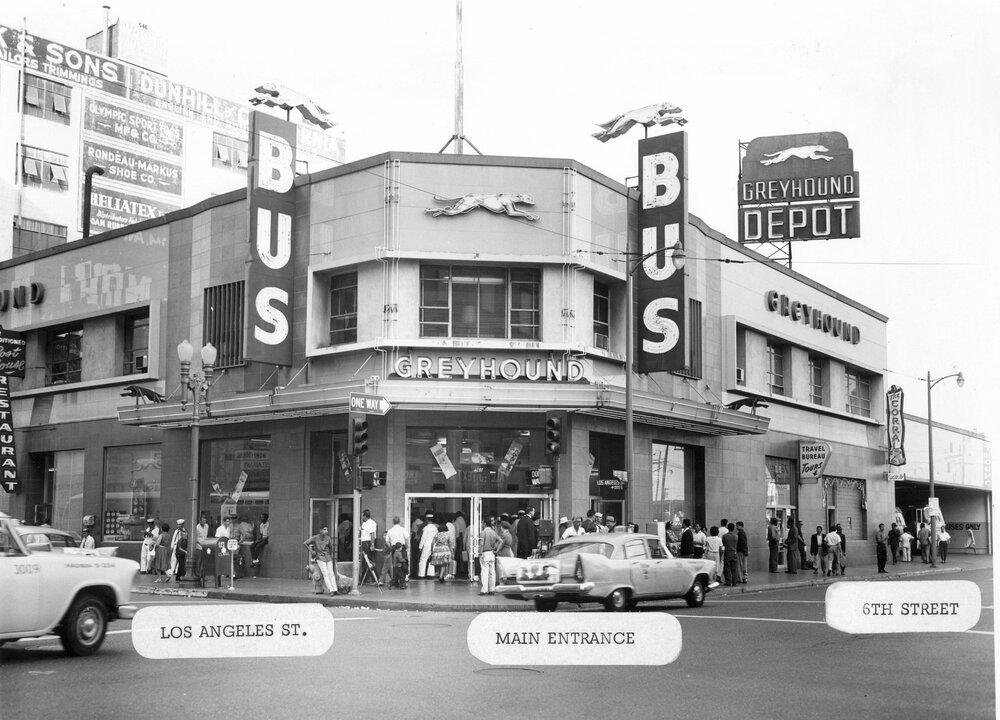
662,224
271,201
799,187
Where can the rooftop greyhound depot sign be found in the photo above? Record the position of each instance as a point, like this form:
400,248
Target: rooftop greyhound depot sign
271,202
798,187
662,225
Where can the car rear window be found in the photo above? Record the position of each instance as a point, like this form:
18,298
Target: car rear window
577,548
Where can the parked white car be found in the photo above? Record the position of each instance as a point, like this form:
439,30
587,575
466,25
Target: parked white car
71,594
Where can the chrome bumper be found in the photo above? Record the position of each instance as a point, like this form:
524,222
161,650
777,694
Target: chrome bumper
529,592
127,612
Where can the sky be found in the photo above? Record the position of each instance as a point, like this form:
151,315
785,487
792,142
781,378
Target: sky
914,86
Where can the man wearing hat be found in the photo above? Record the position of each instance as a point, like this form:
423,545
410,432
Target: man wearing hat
181,550
174,540
575,529
149,536
88,540
599,525
426,544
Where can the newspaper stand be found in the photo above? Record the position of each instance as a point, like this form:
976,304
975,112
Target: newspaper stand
208,565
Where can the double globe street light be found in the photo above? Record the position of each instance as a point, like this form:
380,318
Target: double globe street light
195,387
932,507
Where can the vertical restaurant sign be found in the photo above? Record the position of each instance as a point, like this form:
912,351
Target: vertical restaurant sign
271,202
813,457
8,454
12,353
894,425
662,227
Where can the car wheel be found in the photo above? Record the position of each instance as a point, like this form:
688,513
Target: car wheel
84,626
545,604
696,595
618,600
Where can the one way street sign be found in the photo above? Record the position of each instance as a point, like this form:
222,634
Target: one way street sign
371,404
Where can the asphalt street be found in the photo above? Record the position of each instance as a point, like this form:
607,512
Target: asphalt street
758,655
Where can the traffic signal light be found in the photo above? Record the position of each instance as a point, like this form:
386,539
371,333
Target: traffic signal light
553,435
357,434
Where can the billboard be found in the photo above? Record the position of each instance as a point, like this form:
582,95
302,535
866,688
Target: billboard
271,203
798,187
662,227
122,123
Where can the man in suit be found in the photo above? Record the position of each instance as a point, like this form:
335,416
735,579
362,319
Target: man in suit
687,539
773,540
730,565
742,551
816,548
792,548
527,534
881,547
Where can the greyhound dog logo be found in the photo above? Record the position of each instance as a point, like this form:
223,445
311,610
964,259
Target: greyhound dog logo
806,152
659,114
274,95
497,203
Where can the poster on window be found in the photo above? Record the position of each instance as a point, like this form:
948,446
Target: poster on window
443,461
510,459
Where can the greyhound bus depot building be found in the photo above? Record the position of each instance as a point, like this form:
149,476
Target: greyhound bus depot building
474,328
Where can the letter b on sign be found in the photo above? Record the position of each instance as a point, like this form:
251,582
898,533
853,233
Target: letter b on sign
276,169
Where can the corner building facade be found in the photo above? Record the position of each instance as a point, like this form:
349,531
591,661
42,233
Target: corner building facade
477,328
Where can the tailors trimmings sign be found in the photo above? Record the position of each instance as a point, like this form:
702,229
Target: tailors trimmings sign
798,187
497,203
8,452
894,425
813,457
271,201
662,227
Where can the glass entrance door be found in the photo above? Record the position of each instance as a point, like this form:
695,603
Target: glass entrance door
332,512
782,513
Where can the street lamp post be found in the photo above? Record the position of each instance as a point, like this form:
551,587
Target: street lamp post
677,257
960,380
195,387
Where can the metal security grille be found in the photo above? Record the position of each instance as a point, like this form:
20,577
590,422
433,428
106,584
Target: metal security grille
224,322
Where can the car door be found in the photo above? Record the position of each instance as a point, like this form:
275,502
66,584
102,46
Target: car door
21,580
673,574
642,570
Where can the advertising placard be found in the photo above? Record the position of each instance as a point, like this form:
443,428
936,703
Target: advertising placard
61,62
895,426
662,225
813,457
112,209
157,91
133,168
8,451
135,127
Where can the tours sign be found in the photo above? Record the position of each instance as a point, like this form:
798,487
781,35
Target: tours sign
798,187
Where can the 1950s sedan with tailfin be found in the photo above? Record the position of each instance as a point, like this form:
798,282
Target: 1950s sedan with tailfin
616,569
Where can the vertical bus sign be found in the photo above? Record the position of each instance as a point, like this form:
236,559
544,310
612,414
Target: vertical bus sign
271,203
662,227
8,453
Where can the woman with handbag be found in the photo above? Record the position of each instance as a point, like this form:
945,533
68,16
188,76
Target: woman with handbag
442,552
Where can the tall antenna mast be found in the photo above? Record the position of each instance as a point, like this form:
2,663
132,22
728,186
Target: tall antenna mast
459,137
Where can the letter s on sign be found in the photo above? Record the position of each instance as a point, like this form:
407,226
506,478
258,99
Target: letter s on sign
655,323
267,312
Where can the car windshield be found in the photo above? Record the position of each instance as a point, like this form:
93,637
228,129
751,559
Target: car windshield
576,548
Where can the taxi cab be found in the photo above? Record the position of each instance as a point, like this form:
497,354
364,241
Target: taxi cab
616,569
71,594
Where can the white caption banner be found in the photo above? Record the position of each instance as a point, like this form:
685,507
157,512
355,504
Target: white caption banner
863,608
232,631
575,638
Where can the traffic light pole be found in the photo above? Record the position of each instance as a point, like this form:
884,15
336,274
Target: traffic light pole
355,528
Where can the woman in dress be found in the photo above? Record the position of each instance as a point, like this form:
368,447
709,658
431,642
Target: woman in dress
713,550
442,551
161,561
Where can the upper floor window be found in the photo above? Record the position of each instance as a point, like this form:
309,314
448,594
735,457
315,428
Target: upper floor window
693,324
344,309
223,322
63,357
46,99
136,344
775,368
479,302
44,169
859,392
229,152
602,316
31,235
815,380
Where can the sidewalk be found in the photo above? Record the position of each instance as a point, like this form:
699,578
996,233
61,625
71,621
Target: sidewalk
461,596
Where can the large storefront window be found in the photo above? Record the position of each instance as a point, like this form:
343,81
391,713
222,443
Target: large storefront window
607,472
501,460
238,475
779,472
67,490
846,501
131,490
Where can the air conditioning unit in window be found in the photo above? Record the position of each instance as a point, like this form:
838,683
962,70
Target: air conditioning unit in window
741,375
141,363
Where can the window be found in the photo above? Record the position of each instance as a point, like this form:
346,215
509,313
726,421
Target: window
32,235
344,309
136,344
46,99
240,469
775,369
229,152
859,392
44,169
131,490
479,460
847,505
693,367
602,316
457,301
62,355
224,322
816,380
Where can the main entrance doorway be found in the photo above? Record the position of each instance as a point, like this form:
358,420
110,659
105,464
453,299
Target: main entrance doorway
445,508
334,512
782,512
